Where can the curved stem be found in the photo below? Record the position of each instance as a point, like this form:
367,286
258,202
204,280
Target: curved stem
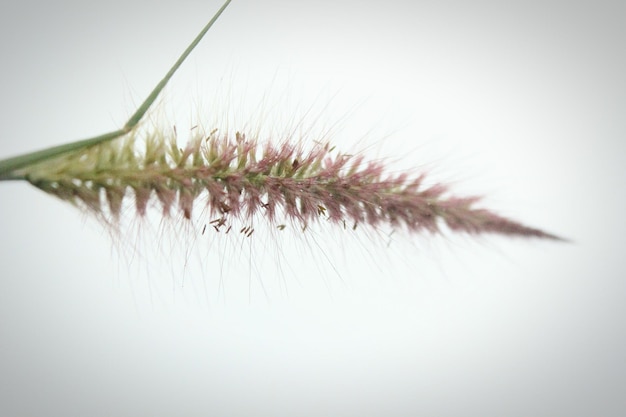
7,166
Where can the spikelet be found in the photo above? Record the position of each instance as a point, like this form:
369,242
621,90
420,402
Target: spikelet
240,178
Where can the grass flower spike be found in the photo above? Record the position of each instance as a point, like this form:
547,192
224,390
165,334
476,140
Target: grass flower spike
237,177
241,178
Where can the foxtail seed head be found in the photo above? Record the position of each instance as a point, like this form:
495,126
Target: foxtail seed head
243,178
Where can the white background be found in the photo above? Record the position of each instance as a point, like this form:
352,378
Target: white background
521,101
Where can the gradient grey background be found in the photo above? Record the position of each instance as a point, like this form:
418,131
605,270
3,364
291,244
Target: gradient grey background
523,101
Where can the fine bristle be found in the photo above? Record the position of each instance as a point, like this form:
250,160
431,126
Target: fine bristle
243,179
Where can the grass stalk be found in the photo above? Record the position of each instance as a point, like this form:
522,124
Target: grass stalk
10,165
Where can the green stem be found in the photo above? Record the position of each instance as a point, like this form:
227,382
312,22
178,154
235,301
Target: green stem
9,165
